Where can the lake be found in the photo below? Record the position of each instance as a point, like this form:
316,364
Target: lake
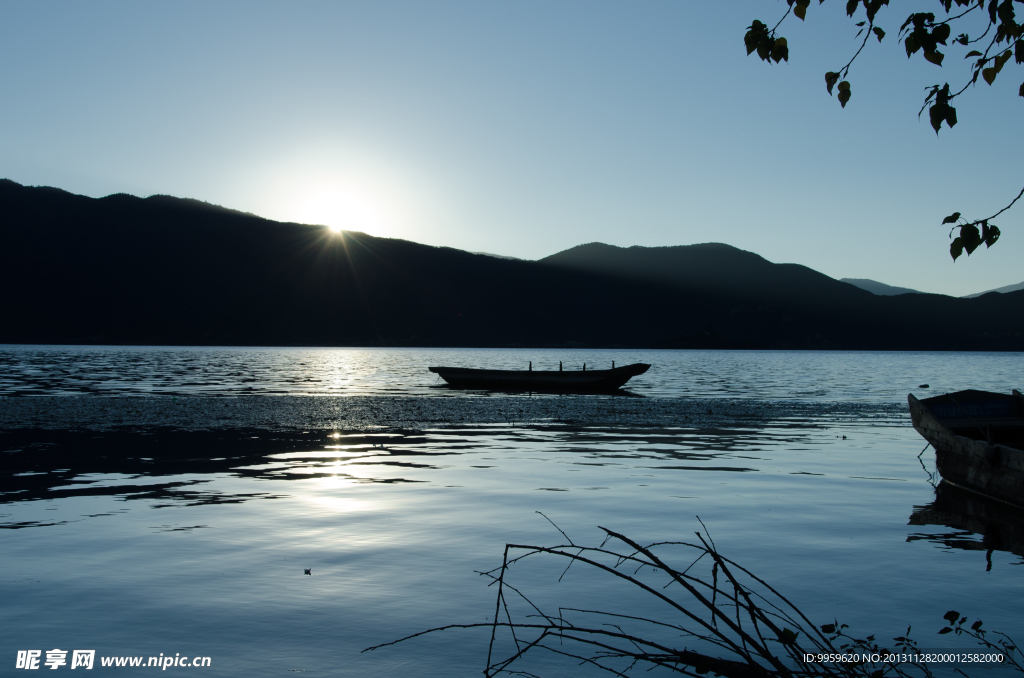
170,500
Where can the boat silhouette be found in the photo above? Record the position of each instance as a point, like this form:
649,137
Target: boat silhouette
557,381
978,438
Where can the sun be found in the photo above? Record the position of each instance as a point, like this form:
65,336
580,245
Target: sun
340,210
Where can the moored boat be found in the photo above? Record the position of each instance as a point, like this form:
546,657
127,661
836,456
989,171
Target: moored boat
540,380
978,438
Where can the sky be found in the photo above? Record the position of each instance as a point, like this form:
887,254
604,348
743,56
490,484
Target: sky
522,128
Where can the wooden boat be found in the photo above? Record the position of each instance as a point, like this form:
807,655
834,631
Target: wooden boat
539,380
978,439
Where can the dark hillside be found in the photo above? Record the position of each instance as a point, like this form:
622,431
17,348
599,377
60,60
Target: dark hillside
163,270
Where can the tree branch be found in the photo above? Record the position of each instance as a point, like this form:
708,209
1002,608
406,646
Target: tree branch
1002,210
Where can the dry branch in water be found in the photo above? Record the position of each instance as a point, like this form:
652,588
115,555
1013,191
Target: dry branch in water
709,615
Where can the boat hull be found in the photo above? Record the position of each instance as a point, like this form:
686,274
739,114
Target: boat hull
519,380
977,440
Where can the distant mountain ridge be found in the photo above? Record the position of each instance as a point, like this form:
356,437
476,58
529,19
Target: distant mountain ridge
878,288
498,256
1000,290
163,270
882,289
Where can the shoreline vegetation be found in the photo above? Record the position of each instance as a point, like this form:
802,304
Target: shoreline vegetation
709,605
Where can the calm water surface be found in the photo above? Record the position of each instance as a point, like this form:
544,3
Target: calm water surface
769,375
137,542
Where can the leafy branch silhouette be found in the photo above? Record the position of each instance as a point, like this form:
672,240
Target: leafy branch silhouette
924,33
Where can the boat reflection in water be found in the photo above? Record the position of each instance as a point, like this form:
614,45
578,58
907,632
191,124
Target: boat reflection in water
1000,525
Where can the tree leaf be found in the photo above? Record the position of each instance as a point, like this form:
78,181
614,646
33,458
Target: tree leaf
780,50
976,625
828,628
971,238
801,9
956,248
951,616
755,32
934,56
989,74
940,112
952,218
972,53
831,78
947,629
879,33
990,239
1002,59
911,44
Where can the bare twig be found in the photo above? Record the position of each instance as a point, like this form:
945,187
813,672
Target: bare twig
724,610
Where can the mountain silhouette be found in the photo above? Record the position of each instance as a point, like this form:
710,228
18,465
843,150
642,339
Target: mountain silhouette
164,270
1000,290
709,268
